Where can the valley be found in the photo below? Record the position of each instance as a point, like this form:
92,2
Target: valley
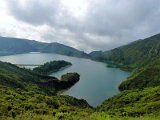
139,97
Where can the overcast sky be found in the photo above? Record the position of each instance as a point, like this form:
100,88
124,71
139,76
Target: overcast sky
84,24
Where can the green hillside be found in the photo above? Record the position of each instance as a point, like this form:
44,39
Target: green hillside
141,91
145,76
134,54
133,102
16,103
15,77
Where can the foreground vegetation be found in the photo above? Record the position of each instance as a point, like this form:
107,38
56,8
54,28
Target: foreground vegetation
133,103
79,116
18,104
15,103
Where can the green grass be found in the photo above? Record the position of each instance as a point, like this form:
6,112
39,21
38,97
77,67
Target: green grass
16,102
133,102
78,116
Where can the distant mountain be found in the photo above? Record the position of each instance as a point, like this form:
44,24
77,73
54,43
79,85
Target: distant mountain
98,55
62,49
14,46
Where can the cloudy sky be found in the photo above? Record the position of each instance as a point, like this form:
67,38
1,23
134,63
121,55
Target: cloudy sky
84,24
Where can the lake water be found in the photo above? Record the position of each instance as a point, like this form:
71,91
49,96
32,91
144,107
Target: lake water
97,82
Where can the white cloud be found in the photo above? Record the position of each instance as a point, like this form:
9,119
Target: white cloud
84,24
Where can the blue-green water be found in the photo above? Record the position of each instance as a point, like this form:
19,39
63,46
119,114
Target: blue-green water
97,82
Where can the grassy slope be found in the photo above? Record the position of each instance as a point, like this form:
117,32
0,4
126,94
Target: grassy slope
146,76
16,102
134,102
27,105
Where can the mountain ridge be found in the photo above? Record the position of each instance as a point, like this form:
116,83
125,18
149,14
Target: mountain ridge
132,54
10,46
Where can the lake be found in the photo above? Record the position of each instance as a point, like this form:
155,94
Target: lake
97,82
